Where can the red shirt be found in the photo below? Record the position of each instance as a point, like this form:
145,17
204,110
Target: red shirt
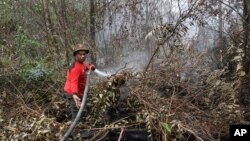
76,78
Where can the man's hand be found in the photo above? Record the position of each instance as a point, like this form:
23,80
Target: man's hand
92,67
77,101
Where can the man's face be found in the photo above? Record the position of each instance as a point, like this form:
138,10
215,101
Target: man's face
80,56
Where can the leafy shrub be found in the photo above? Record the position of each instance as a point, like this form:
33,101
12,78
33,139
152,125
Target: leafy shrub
29,47
35,72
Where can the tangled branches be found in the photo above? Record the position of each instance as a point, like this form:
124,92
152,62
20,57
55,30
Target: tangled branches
180,100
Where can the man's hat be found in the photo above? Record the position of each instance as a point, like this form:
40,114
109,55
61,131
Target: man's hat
80,47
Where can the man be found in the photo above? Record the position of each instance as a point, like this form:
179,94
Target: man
76,78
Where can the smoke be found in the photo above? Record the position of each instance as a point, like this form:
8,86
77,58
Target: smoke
129,60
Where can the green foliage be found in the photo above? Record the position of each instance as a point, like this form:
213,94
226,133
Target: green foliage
167,127
8,18
2,41
29,47
5,63
35,72
23,39
6,7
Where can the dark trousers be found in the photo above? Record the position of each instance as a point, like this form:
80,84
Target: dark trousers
74,110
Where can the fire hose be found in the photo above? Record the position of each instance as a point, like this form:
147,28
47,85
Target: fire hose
85,93
78,116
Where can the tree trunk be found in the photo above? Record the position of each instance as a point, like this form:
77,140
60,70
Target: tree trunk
244,80
92,31
44,13
220,46
49,26
64,25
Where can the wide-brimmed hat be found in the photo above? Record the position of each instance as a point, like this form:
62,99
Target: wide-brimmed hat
80,47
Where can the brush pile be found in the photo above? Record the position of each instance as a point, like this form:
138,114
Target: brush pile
174,100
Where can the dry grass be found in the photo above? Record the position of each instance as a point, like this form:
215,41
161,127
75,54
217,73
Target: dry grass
199,107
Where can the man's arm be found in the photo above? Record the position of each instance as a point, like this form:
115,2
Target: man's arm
74,76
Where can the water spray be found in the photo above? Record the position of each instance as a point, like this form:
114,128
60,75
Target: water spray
100,73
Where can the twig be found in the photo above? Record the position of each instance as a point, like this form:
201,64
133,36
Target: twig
152,57
146,103
119,127
121,134
181,19
121,68
192,132
228,5
21,99
99,133
17,91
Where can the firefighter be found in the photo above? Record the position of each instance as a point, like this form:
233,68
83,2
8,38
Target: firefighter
76,78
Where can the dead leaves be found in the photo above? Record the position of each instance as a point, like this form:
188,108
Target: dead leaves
33,128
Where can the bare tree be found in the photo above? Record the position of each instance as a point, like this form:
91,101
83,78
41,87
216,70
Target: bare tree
244,79
92,29
64,27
